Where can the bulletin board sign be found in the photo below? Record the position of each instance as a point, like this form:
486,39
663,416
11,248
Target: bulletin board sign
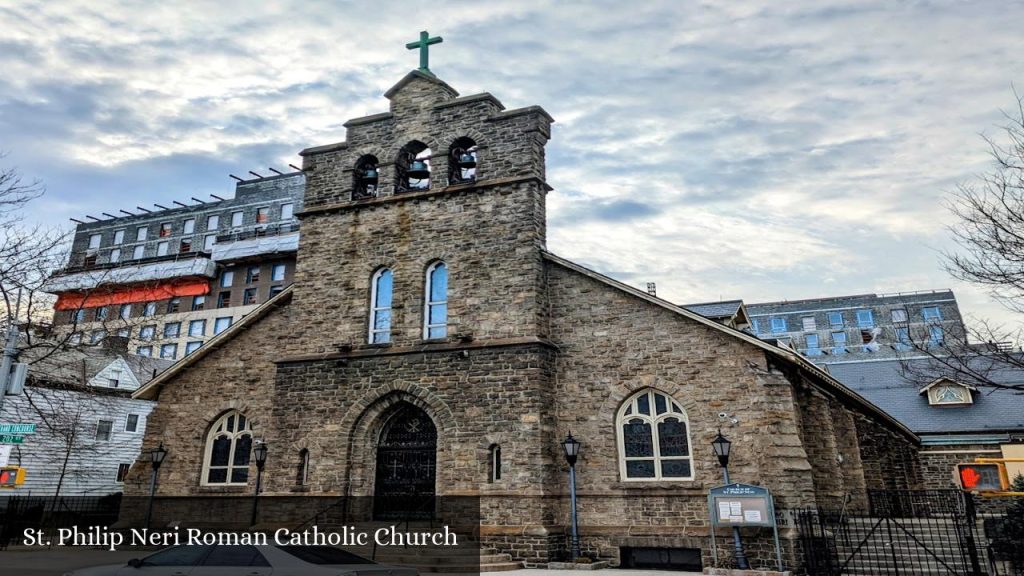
741,505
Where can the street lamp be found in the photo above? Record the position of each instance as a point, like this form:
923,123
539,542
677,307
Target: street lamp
156,458
259,452
722,447
572,450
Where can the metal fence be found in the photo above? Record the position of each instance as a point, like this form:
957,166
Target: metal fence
19,513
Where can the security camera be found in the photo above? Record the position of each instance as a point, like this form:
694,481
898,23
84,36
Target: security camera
723,415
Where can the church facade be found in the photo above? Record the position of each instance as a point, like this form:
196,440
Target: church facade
431,345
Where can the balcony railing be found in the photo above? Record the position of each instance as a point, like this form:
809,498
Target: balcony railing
178,256
259,231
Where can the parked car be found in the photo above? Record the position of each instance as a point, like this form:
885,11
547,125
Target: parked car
248,561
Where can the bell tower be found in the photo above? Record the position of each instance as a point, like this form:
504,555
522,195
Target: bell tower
437,178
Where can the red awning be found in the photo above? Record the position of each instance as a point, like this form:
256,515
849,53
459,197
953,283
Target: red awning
73,301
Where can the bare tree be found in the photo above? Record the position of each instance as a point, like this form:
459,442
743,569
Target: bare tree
989,234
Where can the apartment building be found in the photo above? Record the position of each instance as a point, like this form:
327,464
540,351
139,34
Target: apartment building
169,279
843,328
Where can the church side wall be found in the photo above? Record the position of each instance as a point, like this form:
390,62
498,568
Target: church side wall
613,344
890,460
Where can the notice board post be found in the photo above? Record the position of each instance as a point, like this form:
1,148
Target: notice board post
738,505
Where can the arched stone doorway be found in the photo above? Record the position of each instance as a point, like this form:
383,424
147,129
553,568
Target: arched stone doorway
406,465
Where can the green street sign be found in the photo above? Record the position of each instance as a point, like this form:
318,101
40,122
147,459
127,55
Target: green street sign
17,428
9,439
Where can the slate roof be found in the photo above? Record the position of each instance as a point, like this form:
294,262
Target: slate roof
885,384
716,310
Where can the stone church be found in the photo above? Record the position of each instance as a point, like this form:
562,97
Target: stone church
430,345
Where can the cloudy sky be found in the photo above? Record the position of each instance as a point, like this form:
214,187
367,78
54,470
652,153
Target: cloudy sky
760,150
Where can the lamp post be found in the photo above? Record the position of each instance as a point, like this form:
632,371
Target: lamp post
722,447
259,452
572,450
156,458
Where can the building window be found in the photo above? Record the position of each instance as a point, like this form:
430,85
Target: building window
191,347
119,237
198,303
131,423
813,349
138,252
778,325
654,438
236,219
302,478
435,316
935,335
122,471
125,312
124,332
173,305
197,328
80,315
249,297
101,313
141,233
114,381
899,315
931,314
94,241
189,226
228,449
97,336
252,275
263,215
380,306
169,351
165,229
161,248
839,342
144,351
903,342
221,324
185,246
227,278
212,222
755,325
150,309
809,324
172,329
208,241
835,320
495,457
948,392
75,338
103,429
147,332
224,300
277,273
115,255
287,211
274,291
865,319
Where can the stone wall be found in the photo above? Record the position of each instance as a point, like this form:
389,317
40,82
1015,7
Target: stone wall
890,461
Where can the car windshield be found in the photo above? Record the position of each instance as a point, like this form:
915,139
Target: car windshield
324,555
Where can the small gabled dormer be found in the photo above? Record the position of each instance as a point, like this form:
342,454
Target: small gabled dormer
947,392
116,375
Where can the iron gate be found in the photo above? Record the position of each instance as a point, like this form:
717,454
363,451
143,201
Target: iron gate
904,532
406,467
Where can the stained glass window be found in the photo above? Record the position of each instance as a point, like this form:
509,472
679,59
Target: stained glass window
655,438
228,450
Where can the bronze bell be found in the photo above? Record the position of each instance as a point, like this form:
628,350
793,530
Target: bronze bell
370,176
418,170
466,161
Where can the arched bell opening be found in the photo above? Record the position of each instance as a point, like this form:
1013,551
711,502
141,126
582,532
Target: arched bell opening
412,168
365,177
462,160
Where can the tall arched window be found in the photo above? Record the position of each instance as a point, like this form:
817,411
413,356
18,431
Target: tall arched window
380,306
228,448
654,438
302,477
435,309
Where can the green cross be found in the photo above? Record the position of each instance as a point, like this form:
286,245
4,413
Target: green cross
423,44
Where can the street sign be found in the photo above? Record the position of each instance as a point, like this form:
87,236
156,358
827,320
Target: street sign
17,428
11,439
